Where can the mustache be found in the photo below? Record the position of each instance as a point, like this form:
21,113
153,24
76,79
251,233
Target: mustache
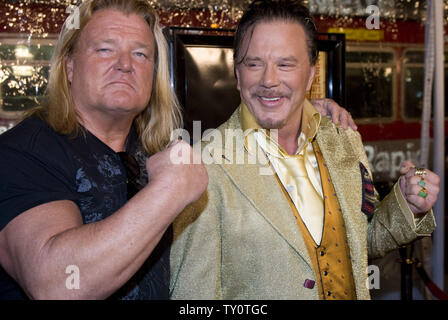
269,93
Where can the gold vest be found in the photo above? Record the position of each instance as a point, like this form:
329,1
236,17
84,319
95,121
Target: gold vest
331,259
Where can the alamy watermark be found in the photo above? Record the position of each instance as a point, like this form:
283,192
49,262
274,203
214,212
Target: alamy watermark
73,20
73,280
373,277
373,21
214,148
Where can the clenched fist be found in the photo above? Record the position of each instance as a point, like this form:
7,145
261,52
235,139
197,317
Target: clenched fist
188,178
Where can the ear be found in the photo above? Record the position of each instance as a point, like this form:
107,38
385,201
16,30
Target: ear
69,67
237,73
311,78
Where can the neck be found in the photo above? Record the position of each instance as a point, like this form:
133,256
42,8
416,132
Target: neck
288,134
112,132
288,142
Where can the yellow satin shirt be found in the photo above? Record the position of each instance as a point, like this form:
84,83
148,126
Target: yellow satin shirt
299,171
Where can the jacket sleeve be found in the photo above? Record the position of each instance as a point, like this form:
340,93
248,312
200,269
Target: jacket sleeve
195,258
393,224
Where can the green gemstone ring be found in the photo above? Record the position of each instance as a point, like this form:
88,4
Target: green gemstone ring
423,193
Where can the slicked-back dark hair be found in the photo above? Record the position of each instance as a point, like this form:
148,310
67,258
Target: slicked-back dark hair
272,10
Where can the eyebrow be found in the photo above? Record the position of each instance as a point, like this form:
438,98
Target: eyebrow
138,44
251,60
287,59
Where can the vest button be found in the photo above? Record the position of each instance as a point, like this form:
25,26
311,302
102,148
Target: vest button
309,284
325,273
322,253
328,293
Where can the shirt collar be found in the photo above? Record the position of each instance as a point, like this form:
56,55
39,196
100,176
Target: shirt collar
310,124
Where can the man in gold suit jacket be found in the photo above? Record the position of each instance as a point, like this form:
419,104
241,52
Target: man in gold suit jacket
290,211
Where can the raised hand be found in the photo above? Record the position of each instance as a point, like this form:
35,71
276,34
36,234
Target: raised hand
419,186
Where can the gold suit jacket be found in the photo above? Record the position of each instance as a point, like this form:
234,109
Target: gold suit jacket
241,240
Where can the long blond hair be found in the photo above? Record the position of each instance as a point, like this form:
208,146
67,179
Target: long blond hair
160,118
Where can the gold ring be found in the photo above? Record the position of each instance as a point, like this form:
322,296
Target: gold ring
420,172
423,193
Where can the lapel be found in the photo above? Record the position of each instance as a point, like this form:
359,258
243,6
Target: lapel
343,166
261,189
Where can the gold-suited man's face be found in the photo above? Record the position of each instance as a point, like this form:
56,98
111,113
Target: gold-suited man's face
275,73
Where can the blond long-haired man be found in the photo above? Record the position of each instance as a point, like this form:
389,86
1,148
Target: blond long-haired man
68,226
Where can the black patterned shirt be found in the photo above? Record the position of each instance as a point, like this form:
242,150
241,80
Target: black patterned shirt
38,165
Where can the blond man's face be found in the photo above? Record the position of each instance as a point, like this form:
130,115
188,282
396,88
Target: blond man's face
111,70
